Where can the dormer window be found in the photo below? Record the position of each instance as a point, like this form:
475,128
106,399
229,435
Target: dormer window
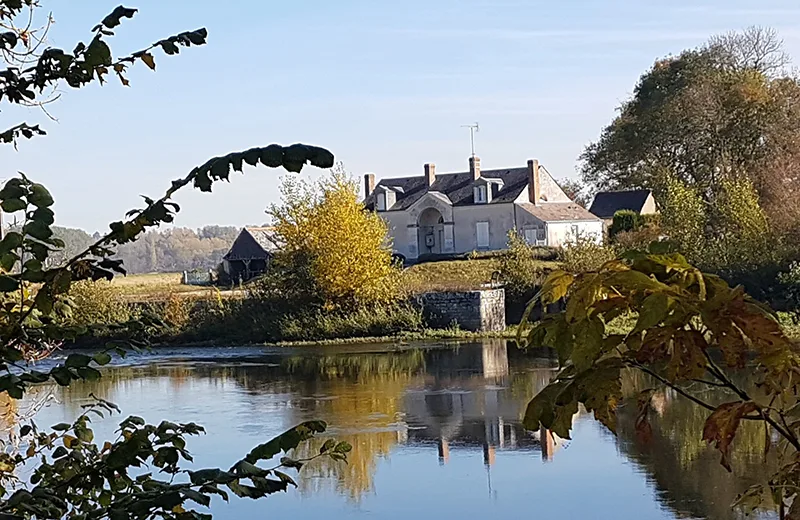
380,203
480,194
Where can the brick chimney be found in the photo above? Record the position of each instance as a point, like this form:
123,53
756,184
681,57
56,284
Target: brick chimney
369,184
534,182
475,167
430,174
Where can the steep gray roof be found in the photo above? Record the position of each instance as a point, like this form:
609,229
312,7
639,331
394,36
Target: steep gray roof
253,243
558,211
606,203
457,187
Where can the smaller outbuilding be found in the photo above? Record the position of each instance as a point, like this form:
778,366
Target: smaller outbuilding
606,203
250,255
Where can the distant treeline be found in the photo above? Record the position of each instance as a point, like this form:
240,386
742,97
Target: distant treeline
172,250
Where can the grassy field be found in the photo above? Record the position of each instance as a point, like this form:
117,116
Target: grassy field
450,275
454,275
156,286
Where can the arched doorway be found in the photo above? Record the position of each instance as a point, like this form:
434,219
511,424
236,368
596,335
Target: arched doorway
430,232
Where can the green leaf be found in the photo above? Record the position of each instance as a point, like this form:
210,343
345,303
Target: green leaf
288,440
113,19
44,302
556,286
588,344
32,376
77,360
37,230
272,156
98,54
196,496
169,48
32,265
45,216
39,196
246,469
61,375
11,241
13,189
59,452
13,205
62,427
102,358
343,447
7,261
8,284
83,433
655,309
329,445
89,373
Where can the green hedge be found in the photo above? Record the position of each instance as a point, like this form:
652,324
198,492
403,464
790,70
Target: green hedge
628,220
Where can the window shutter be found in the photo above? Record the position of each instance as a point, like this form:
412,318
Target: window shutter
482,230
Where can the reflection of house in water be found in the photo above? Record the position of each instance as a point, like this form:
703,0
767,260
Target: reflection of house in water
465,401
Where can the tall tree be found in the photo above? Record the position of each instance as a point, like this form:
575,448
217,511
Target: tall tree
726,109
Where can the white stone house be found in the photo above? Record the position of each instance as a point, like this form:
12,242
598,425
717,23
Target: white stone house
453,213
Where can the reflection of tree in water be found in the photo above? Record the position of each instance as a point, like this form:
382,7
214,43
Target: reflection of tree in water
373,407
686,473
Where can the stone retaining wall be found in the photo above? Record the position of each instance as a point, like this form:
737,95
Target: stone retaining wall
479,311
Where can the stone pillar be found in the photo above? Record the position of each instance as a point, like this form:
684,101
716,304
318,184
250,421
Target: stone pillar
413,244
449,245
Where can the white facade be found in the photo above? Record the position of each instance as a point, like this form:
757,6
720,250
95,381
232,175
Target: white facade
475,211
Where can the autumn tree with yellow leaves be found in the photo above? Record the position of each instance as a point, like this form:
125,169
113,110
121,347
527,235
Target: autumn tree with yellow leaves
332,249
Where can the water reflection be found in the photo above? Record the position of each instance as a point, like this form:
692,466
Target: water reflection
436,433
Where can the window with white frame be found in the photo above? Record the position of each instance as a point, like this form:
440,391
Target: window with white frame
480,194
482,232
381,202
575,231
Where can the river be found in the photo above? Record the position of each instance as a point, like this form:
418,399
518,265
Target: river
435,429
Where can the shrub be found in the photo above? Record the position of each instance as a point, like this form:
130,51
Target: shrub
585,254
177,311
385,319
97,303
638,239
521,268
337,251
625,220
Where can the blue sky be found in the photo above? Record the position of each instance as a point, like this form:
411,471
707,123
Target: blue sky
384,85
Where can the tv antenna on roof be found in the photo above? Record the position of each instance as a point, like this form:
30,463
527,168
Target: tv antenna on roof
472,129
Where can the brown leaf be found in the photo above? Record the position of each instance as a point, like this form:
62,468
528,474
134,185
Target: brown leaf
148,59
721,426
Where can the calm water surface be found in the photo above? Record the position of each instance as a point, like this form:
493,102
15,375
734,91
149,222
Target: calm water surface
436,434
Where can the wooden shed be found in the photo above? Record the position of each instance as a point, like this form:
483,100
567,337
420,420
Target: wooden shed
250,254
